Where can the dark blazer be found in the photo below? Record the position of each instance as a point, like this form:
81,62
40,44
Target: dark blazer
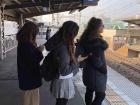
28,59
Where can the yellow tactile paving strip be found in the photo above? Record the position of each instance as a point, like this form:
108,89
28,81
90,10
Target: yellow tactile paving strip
113,98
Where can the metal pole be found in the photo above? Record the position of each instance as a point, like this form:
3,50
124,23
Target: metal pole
2,35
21,20
1,55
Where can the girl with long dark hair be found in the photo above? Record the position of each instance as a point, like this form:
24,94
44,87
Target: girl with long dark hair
28,59
63,42
94,70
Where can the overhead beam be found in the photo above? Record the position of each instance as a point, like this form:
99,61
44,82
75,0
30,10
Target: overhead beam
18,2
82,8
9,18
1,1
27,10
33,4
44,13
10,13
34,1
74,5
70,5
72,11
64,1
23,5
38,9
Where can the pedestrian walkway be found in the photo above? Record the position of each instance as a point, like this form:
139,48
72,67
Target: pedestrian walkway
11,95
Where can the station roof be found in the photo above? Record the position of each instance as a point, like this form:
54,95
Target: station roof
30,8
133,21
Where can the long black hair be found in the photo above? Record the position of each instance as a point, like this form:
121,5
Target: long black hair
67,33
28,32
92,29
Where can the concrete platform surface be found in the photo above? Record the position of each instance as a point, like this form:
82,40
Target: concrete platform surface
126,89
11,95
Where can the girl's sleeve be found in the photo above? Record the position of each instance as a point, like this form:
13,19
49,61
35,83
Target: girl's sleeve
79,50
66,67
32,56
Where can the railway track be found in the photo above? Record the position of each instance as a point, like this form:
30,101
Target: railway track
130,63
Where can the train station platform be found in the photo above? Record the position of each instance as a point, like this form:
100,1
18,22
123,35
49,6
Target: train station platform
124,88
120,91
10,94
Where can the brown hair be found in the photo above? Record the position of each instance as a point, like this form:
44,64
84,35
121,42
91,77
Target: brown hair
92,29
67,32
28,32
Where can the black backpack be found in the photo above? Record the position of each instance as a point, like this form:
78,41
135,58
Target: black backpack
49,68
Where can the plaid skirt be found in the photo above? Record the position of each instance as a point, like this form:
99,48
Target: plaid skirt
63,88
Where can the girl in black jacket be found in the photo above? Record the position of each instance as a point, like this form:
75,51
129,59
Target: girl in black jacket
28,59
95,70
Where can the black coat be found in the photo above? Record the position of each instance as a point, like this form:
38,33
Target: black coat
95,62
28,59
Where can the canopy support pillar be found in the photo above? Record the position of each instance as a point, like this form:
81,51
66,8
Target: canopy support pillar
2,34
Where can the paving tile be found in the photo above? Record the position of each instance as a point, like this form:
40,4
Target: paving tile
114,98
110,92
127,90
119,103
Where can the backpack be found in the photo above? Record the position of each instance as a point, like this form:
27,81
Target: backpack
49,68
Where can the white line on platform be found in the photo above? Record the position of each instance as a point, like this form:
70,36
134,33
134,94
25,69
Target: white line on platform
126,89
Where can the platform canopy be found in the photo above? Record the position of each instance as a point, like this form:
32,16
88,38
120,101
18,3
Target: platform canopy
30,8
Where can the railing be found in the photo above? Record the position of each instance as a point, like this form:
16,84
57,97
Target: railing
10,42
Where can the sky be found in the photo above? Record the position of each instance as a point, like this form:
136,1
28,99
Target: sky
114,9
